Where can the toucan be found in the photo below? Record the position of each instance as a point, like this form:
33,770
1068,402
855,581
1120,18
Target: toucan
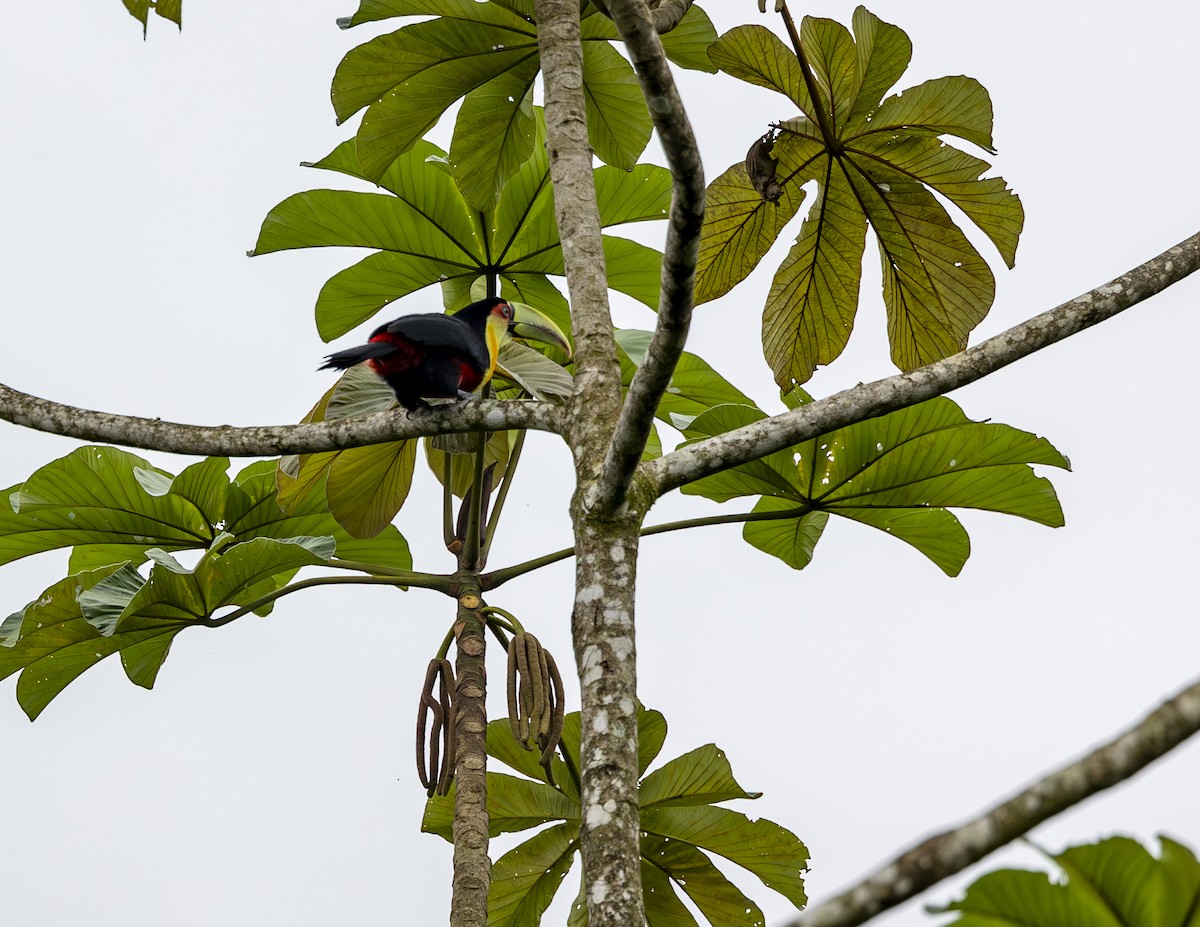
434,356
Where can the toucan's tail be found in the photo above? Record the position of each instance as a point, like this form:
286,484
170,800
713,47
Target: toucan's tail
351,356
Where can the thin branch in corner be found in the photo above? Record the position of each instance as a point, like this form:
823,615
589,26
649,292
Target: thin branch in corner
633,21
946,854
871,400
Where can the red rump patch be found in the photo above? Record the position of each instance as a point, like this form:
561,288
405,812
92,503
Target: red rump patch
408,356
404,359
468,378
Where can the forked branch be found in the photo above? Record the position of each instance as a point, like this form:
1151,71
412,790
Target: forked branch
633,21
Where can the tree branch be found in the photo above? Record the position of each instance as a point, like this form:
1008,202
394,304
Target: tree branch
870,400
597,394
633,21
271,440
665,14
948,853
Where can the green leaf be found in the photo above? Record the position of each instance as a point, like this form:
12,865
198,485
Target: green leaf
883,53
633,269
410,77
618,123
524,881
874,163
494,134
987,201
428,233
366,486
771,852
255,512
687,44
756,55
636,195
359,391
833,57
514,804
663,907
935,285
695,386
56,645
1114,883
810,310
701,777
93,496
792,540
720,901
353,295
945,106
525,878
535,373
898,473
739,228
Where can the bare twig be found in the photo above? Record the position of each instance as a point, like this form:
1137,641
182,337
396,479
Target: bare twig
633,21
897,392
948,853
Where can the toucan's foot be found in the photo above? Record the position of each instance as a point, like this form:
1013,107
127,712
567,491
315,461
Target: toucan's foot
463,395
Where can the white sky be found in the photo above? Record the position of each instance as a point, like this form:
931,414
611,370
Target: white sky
268,778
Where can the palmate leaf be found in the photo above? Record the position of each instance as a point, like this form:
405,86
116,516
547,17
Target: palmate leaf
1115,882
681,828
486,53
423,231
874,162
900,473
115,511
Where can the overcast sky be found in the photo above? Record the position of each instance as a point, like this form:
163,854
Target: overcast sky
268,778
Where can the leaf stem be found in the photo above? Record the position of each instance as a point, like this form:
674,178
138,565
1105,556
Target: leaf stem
810,82
296,587
514,457
497,578
447,500
437,581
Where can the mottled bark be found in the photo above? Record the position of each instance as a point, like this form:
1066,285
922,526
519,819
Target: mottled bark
271,440
948,853
597,393
472,868
605,652
633,21
602,621
665,14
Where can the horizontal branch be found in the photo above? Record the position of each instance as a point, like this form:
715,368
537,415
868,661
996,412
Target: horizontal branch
870,400
271,440
949,853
